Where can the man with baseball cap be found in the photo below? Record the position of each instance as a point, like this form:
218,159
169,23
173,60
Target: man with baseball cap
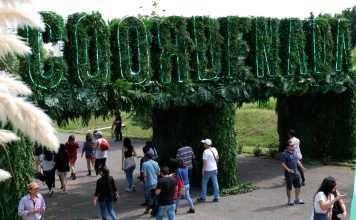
209,170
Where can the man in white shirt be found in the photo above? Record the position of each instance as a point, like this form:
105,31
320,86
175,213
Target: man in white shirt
295,143
209,170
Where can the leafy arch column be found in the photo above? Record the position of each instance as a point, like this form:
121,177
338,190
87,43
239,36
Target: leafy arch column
193,124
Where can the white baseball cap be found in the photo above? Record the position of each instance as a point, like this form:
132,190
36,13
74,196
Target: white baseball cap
206,141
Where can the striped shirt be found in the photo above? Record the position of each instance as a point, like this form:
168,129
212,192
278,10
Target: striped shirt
186,154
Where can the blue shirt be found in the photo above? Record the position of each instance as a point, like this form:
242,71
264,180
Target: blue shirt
182,173
151,168
27,204
290,159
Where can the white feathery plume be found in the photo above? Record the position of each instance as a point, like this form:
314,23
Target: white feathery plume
22,18
4,175
12,2
10,84
7,136
31,120
13,44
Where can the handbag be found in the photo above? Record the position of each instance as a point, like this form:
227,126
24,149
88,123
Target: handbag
337,210
129,162
181,190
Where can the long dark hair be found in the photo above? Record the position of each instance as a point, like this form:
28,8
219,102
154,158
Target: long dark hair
106,175
48,155
327,185
181,164
89,137
71,138
127,144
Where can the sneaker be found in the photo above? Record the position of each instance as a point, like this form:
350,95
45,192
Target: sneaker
216,200
51,193
133,188
128,190
191,211
298,201
201,200
63,192
290,203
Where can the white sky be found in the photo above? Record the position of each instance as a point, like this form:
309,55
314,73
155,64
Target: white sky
218,8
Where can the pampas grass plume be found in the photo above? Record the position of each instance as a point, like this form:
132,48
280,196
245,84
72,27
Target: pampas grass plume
13,44
22,18
13,2
7,136
31,120
10,84
4,175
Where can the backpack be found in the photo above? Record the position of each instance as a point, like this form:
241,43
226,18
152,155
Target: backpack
104,145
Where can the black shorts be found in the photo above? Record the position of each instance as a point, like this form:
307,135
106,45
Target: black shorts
292,179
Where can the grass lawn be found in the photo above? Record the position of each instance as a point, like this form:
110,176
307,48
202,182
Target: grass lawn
254,126
129,129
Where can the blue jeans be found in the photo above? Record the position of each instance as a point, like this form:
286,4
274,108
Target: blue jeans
129,177
214,178
187,196
146,191
169,209
107,205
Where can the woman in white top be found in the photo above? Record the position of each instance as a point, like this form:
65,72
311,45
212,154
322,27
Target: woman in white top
324,199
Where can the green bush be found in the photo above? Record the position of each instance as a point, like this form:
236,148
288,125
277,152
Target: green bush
257,151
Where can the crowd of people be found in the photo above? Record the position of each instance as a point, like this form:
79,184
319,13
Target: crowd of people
163,190
327,201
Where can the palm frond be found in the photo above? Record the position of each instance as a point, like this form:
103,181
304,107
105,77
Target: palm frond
10,44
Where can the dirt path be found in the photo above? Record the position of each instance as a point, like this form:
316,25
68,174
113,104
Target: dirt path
268,202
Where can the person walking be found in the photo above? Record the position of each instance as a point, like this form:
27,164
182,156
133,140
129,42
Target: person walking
186,154
106,193
38,152
166,187
290,162
182,173
150,170
209,171
89,153
49,170
296,145
32,206
150,148
62,166
128,163
100,155
324,200
72,150
116,127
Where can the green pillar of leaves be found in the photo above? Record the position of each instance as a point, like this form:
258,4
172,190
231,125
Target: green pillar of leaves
325,123
193,124
17,158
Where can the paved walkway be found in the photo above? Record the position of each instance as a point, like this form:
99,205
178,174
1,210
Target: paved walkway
268,202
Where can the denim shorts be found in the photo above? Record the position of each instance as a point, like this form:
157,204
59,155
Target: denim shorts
292,179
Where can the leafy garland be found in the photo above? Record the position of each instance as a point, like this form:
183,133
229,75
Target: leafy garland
230,51
12,158
49,74
130,41
87,50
